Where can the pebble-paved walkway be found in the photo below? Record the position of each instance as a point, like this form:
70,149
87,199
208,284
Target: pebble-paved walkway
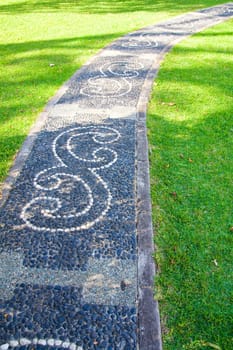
76,236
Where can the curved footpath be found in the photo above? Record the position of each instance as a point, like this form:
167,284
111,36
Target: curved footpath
76,234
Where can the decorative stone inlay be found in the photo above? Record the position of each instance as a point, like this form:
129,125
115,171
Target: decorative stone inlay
114,79
53,211
140,40
42,313
51,343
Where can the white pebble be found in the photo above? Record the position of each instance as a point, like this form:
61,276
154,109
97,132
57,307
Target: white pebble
14,343
57,342
42,342
73,346
24,341
66,344
80,348
4,346
51,342
34,341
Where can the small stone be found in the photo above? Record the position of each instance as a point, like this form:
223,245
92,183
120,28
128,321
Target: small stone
4,346
66,344
123,285
42,342
73,346
86,307
34,341
57,342
50,342
104,344
24,341
14,343
61,319
80,348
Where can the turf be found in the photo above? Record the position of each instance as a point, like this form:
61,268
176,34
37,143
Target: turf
190,131
64,33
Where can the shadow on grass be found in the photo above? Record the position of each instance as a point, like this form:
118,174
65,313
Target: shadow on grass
201,79
8,147
34,58
78,43
192,210
213,71
191,174
107,6
25,91
193,225
210,131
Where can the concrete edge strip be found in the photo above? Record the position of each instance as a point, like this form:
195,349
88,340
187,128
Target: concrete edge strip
150,336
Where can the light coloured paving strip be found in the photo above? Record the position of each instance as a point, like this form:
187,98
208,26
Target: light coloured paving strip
101,282
77,239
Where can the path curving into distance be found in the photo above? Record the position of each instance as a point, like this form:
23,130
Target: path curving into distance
76,249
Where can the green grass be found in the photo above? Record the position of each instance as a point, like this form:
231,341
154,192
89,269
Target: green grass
190,128
35,33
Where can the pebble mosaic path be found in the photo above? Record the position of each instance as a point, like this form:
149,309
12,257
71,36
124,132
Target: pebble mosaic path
76,235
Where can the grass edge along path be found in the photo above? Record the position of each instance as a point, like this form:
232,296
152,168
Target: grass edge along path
44,43
190,134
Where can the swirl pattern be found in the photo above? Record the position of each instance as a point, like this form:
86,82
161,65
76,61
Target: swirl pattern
143,41
114,80
66,202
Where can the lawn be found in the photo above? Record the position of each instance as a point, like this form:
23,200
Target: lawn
190,129
64,33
